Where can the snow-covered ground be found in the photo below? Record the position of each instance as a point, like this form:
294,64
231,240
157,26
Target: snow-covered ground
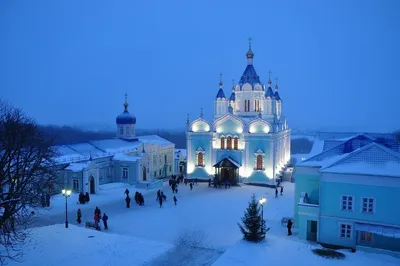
195,232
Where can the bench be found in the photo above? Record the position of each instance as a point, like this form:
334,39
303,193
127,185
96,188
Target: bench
93,225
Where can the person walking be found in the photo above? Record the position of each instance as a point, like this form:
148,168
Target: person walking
79,216
160,200
175,200
276,192
128,202
281,191
126,192
289,227
191,186
105,219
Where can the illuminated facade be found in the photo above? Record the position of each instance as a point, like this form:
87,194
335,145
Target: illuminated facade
248,140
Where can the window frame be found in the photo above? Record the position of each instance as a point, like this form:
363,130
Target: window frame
75,184
235,143
342,200
368,205
348,233
365,235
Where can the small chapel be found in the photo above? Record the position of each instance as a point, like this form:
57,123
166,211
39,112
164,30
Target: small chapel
248,139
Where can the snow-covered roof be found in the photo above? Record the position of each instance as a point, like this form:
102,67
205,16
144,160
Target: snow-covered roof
373,159
77,167
318,147
126,158
155,140
103,148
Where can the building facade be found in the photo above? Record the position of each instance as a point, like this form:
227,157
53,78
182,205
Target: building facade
345,195
127,158
248,139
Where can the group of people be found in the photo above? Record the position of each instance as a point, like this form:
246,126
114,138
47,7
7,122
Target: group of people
83,198
139,199
97,217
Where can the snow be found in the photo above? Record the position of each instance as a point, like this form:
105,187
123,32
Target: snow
126,158
281,251
299,157
155,140
379,229
323,163
318,147
197,231
382,169
56,245
77,167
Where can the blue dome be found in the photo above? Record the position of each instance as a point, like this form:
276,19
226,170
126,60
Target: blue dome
126,118
269,93
233,97
249,76
277,97
220,94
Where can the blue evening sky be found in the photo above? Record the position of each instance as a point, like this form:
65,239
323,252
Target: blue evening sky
70,62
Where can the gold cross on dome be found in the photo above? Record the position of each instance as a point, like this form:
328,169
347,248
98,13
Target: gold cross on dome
250,39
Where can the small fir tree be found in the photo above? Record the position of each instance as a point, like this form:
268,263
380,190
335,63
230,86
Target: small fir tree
253,228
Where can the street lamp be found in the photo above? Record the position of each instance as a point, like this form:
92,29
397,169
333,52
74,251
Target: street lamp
262,201
66,193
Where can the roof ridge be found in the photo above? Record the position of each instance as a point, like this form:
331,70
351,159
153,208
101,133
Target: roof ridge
330,149
364,148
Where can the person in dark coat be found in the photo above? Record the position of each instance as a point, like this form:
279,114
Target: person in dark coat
195,180
79,216
160,200
209,182
126,192
276,192
175,200
105,219
87,197
81,198
191,186
47,199
158,194
137,198
289,227
128,202
281,191
141,199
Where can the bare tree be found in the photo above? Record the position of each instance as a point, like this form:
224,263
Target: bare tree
27,170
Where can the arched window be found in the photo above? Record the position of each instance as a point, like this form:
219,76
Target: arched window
229,143
259,162
235,143
200,159
222,143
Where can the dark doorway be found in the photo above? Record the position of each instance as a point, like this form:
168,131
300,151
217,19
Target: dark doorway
227,170
312,230
92,185
144,174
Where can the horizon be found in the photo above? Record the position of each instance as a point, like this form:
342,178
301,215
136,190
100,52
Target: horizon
336,61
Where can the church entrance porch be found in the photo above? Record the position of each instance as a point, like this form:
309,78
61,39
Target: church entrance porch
227,170
92,185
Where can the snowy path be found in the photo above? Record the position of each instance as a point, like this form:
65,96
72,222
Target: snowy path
201,227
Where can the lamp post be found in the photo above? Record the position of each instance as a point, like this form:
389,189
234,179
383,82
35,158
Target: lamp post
262,201
66,193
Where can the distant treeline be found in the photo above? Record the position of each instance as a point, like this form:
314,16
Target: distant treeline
68,135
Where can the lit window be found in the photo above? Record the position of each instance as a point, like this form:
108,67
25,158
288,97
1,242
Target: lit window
200,159
222,143
345,231
347,203
366,236
235,143
368,205
124,172
229,143
259,162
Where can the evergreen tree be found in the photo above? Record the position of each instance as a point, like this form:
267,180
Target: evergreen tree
253,228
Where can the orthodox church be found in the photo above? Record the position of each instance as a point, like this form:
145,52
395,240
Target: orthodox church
248,140
127,158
